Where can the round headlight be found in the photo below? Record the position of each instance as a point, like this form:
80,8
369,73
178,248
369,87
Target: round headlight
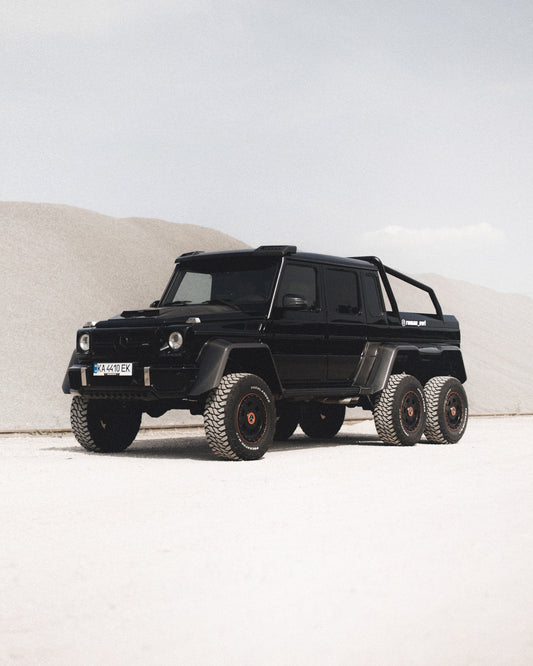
85,342
175,340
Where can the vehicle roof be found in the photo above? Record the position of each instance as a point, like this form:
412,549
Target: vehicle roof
350,262
279,251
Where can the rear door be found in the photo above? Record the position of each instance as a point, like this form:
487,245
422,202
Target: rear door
346,328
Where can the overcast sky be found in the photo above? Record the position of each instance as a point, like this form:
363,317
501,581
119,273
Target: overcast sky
397,128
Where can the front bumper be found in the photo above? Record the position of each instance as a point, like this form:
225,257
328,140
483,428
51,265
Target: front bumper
146,383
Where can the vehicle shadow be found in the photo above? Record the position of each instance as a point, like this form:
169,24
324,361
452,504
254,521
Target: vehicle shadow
193,448
197,448
302,442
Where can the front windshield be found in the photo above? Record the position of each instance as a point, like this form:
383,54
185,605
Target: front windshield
241,283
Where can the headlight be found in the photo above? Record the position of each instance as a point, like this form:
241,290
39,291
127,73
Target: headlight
175,340
85,342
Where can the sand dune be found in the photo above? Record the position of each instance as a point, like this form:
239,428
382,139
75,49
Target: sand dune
62,266
495,339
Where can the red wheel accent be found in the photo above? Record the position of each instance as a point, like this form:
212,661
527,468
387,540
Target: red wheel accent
252,418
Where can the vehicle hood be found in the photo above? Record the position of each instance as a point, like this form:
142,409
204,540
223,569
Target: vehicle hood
172,314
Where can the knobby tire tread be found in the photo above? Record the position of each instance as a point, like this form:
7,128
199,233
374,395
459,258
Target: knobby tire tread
433,393
79,421
383,412
214,416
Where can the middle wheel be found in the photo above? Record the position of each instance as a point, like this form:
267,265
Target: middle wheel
321,421
400,412
288,417
240,417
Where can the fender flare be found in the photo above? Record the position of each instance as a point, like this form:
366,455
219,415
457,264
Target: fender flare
213,360
387,355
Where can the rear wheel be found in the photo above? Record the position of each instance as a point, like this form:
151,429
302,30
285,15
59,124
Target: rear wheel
104,426
240,417
322,421
400,412
447,407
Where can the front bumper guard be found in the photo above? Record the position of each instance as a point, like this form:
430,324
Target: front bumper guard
146,383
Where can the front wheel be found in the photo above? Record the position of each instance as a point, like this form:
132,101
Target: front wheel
447,406
400,412
240,417
104,426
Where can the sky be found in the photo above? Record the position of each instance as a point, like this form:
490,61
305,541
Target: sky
402,129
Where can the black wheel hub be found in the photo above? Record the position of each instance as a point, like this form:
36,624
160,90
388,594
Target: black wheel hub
251,418
411,411
453,410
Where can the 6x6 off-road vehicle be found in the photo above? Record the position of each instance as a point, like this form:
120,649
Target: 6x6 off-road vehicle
261,341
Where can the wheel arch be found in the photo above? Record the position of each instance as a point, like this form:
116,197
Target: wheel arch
421,362
219,357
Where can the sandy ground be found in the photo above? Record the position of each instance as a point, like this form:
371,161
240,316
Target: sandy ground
347,553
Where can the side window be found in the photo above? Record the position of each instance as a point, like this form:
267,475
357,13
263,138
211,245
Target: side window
375,307
342,294
298,281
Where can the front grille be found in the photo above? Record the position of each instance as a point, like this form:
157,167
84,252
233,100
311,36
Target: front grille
121,345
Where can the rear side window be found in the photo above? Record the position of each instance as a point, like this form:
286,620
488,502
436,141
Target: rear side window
375,307
342,294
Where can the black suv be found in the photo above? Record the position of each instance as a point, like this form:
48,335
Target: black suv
261,341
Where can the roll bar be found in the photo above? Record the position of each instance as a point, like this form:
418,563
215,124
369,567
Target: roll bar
385,271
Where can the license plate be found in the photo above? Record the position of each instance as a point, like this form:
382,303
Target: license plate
113,369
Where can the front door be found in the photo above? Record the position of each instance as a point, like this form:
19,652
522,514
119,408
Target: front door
297,328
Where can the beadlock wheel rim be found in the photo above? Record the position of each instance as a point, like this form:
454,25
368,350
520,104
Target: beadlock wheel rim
411,411
454,410
251,418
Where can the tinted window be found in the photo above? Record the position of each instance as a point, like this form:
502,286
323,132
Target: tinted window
374,300
298,281
247,283
342,293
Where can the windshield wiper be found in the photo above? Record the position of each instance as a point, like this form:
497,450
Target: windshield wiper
222,301
179,303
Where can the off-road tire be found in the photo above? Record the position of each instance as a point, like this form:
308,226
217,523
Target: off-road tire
400,411
240,417
447,410
287,419
104,427
322,421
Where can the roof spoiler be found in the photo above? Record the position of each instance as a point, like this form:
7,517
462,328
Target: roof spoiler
276,250
189,254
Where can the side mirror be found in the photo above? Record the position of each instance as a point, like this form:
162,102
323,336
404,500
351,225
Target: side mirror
294,302
154,304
